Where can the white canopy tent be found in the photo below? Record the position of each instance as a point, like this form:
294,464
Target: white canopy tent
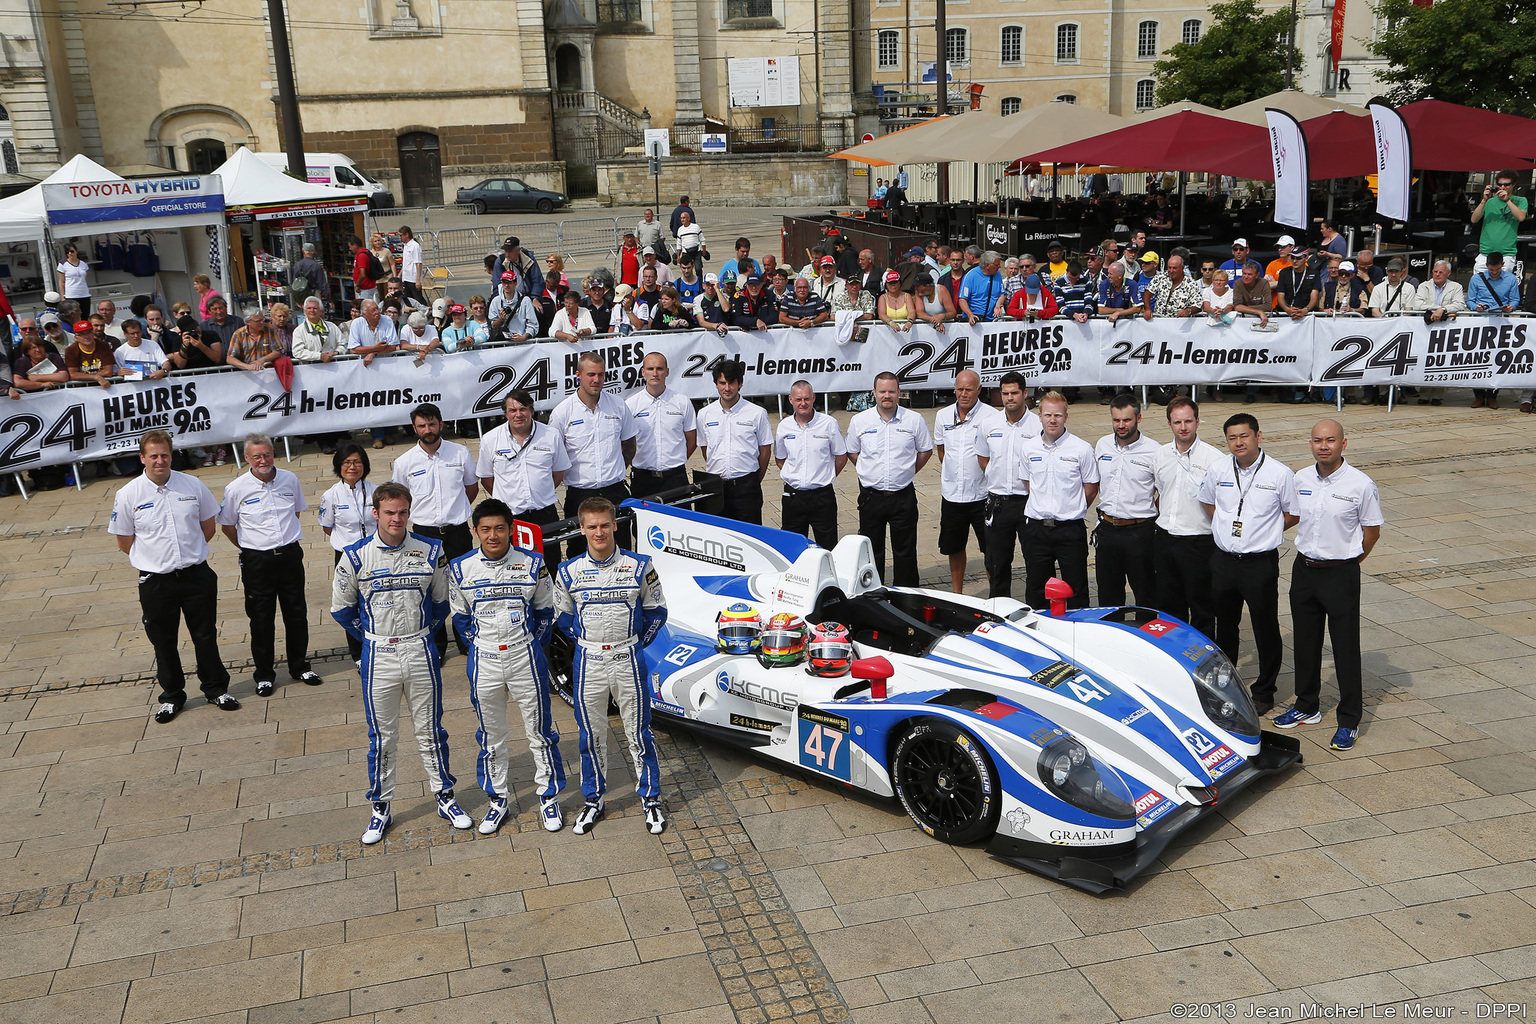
251,186
24,217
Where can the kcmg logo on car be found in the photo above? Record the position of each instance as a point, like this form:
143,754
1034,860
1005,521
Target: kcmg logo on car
705,549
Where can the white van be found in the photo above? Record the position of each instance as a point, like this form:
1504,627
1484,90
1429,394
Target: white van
338,171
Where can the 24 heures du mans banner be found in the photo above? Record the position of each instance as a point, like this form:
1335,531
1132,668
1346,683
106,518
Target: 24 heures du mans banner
81,423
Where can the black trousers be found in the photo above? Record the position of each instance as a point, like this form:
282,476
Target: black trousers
740,499
898,511
168,597
1125,556
1005,524
543,517
814,510
1184,578
574,496
457,541
354,645
275,579
1055,547
1253,580
646,482
1327,594
412,290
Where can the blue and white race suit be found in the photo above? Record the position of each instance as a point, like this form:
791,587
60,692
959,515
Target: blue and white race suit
613,608
503,609
393,598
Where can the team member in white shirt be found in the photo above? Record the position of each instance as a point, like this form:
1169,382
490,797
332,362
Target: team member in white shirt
889,445
441,477
411,266
599,432
962,483
1127,507
1000,454
667,431
1251,500
1340,523
736,441
521,462
163,521
1063,478
809,450
260,516
346,512
1182,545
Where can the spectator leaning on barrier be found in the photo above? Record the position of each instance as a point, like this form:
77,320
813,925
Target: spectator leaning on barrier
254,346
1074,297
1173,293
1251,295
805,309
1117,297
513,316
315,339
1494,292
851,298
980,289
89,358
1295,289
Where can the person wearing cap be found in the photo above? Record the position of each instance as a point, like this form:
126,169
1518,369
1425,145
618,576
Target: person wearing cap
461,333
529,278
419,336
752,310
1234,266
652,261
1395,294
1056,260
1034,301
1147,270
1286,245
980,289
826,285
712,307
513,316
805,309
1130,258
89,358
1295,290
896,308
1343,290
1094,272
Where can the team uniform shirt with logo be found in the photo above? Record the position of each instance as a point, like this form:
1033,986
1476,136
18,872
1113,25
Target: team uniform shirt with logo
166,523
1179,477
1127,477
960,478
348,513
733,438
809,452
888,449
1003,444
594,439
265,515
1251,504
1334,512
437,482
662,421
1056,474
523,471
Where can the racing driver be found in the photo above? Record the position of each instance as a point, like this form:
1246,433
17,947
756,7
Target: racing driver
391,592
610,602
503,604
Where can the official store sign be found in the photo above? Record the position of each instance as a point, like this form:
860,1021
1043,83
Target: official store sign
99,202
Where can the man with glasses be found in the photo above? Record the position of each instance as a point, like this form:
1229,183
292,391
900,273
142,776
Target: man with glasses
1501,213
931,257
1208,273
1295,290
1234,266
1025,265
260,516
255,346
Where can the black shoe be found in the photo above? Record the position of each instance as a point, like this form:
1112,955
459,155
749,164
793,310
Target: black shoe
224,702
1263,705
264,687
309,677
167,711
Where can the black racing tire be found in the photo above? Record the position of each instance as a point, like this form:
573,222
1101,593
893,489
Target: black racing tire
478,206
946,781
545,206
561,655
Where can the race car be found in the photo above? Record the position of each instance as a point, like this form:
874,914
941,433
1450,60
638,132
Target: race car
1076,745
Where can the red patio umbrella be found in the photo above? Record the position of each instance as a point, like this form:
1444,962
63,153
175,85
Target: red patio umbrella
1339,145
1451,137
1185,141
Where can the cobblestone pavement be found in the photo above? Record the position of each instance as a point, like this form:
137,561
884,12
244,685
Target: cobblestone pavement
210,869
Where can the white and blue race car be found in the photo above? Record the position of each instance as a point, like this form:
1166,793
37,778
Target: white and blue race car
1076,745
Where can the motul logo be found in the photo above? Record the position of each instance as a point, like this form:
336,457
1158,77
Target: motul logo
1148,801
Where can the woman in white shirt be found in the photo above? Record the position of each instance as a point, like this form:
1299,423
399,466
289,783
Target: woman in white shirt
573,321
72,270
346,510
1219,300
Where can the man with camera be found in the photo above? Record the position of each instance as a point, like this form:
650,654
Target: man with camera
1500,213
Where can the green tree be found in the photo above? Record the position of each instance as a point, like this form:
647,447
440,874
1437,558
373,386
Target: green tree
1240,58
1481,53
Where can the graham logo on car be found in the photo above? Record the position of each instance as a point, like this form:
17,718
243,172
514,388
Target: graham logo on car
1148,800
1215,757
1084,836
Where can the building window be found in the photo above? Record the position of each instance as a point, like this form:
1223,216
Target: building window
1011,105
1012,45
888,48
957,45
1146,90
618,10
1066,43
1146,40
1066,97
735,9
1191,31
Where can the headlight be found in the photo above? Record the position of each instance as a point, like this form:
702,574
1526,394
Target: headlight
1069,771
1223,695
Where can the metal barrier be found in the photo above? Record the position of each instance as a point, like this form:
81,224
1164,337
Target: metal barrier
538,238
464,245
598,235
468,246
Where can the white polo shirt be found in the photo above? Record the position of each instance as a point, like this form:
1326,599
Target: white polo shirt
887,449
410,262
1259,497
961,478
1127,477
1334,512
437,483
348,513
523,471
166,523
661,420
360,335
1056,474
1002,444
265,515
594,439
733,438
1179,476
809,451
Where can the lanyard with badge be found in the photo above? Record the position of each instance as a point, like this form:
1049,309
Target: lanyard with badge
1242,492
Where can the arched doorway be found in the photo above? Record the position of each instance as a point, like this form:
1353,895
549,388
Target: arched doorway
568,68
421,169
9,164
204,156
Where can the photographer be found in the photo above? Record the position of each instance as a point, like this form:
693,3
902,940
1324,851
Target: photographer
1500,212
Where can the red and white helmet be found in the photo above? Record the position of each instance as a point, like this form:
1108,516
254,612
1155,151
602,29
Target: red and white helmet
829,650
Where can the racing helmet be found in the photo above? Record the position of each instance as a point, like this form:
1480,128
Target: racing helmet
829,650
738,629
784,639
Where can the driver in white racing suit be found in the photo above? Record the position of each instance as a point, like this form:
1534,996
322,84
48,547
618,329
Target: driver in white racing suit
503,605
610,601
391,592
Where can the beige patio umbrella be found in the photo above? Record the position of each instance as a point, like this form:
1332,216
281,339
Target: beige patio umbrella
927,143
1041,127
1300,105
1175,107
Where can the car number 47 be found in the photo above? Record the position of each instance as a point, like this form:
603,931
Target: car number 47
825,751
1086,688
